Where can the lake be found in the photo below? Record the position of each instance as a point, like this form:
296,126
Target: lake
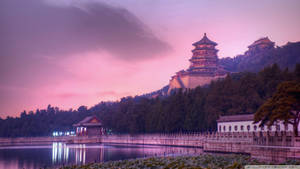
59,154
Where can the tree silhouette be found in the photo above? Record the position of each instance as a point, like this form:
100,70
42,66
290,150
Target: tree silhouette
283,105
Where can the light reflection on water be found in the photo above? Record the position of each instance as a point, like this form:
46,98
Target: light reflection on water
59,154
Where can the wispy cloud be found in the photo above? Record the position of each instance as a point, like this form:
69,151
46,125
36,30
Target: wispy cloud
68,95
112,94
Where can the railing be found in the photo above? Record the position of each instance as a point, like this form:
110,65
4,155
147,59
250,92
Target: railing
268,138
255,138
285,139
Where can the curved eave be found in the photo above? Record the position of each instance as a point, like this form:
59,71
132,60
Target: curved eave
205,40
88,125
205,43
196,49
257,44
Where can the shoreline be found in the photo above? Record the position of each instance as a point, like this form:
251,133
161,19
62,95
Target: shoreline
183,161
267,146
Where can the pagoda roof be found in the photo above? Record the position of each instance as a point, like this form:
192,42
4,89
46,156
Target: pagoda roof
264,40
204,48
205,40
88,121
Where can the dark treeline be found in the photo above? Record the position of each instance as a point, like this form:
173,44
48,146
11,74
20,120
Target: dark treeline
197,109
41,122
193,110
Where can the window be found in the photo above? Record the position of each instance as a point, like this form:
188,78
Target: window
235,128
248,127
242,128
229,128
286,126
220,127
277,127
255,127
269,128
224,128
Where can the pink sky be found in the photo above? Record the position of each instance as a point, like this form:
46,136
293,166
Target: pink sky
93,71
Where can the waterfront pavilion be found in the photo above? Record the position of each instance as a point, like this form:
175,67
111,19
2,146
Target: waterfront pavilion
89,126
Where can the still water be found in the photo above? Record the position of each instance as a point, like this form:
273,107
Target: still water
59,154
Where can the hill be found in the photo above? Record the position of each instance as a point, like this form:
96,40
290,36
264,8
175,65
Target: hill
255,60
182,111
286,56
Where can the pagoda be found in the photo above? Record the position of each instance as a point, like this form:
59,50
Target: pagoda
203,67
260,45
204,59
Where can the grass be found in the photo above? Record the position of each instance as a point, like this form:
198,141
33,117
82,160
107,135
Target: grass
180,162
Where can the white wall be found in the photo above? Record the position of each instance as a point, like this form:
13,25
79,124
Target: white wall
249,123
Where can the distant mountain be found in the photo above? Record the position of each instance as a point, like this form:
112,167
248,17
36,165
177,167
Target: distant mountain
286,56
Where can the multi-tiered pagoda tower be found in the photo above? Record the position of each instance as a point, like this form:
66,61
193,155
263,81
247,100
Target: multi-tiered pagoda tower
203,69
204,59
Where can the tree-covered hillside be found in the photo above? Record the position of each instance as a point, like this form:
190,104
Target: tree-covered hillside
182,111
286,56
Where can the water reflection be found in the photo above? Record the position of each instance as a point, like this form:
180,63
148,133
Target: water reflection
59,154
86,153
80,153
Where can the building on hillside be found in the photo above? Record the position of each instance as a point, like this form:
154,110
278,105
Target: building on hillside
260,45
244,123
203,67
89,126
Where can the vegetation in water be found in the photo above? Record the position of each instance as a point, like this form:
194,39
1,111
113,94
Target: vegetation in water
181,162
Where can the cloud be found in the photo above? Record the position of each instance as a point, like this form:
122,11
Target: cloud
35,28
35,35
68,95
40,42
104,95
112,94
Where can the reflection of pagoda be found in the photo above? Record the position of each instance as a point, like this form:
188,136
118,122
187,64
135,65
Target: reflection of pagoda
203,69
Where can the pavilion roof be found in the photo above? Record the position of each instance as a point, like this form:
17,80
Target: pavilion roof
236,118
88,121
263,40
205,40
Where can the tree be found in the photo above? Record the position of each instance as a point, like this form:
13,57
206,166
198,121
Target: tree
182,111
284,105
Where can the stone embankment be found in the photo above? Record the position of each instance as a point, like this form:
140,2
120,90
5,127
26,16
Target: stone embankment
24,141
190,140
269,146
